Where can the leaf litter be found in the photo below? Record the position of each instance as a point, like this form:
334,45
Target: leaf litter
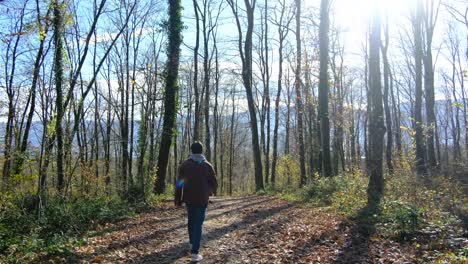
250,229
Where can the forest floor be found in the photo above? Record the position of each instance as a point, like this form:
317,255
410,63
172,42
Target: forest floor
252,229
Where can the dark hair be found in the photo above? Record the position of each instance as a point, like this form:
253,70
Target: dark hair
197,147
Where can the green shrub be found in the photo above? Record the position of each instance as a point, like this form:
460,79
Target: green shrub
14,221
403,219
157,199
320,191
23,236
135,194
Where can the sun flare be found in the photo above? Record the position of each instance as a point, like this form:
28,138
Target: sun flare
351,12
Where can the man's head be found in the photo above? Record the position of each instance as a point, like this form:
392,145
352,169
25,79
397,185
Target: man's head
197,147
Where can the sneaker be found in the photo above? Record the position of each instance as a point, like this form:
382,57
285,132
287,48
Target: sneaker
196,257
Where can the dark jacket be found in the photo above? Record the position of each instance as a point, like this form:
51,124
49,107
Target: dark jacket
196,182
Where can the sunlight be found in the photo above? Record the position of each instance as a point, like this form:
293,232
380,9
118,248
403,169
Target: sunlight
356,13
390,6
353,18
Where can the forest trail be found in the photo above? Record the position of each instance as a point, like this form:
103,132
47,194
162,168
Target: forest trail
252,229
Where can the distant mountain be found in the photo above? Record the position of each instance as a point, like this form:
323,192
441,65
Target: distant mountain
35,136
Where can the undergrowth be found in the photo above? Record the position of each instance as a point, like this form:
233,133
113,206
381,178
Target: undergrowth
427,213
26,236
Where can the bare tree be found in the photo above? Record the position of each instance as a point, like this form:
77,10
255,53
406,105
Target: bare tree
376,124
282,22
246,57
43,25
418,122
388,115
431,13
196,129
323,89
11,56
299,103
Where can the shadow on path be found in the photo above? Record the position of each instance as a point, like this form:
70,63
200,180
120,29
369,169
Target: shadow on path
173,253
172,210
356,248
177,222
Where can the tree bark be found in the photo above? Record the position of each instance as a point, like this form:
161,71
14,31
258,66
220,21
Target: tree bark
196,128
58,72
376,124
429,25
388,116
170,92
299,103
418,56
206,81
283,31
246,57
323,89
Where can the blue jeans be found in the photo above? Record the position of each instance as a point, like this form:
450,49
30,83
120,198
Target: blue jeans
196,216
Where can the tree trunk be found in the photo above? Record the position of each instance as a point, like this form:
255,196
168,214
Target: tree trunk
388,116
58,71
170,92
196,128
299,105
288,117
231,143
216,115
376,124
429,23
246,56
266,84
323,89
419,136
397,116
283,32
206,82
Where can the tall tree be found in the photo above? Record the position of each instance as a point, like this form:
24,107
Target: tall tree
58,74
265,78
299,103
267,99
246,58
431,13
338,91
376,115
11,50
196,128
216,109
418,122
174,28
323,88
206,75
282,22
388,115
43,24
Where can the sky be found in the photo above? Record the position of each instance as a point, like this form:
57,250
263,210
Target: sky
350,15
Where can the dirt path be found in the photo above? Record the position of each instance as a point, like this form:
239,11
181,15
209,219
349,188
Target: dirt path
254,229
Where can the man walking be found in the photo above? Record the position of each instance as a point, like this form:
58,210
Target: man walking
195,183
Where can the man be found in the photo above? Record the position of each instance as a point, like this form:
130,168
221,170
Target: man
196,182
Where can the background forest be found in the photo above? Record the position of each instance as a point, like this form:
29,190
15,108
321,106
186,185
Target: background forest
333,103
